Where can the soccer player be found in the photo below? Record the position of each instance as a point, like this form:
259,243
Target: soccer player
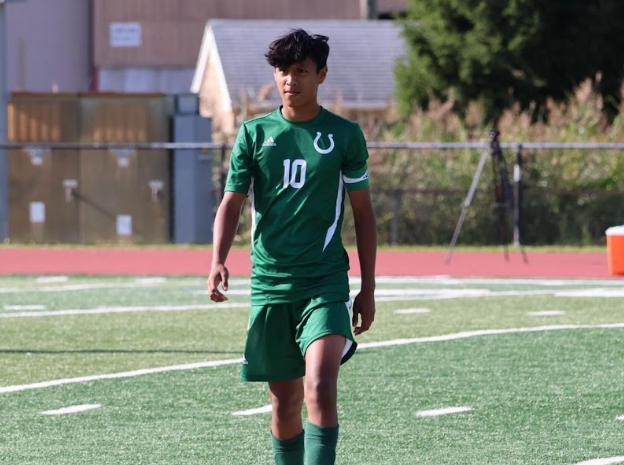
296,163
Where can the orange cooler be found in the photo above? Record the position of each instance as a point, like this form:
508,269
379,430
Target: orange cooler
615,249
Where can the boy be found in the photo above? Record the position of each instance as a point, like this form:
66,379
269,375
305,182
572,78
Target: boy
298,161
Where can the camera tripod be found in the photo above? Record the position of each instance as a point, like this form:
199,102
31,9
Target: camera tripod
503,195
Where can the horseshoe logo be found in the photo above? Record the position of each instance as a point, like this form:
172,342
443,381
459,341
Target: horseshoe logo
320,150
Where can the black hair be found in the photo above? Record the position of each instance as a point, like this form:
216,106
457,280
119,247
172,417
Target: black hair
295,47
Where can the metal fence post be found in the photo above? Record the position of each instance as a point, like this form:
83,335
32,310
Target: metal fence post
222,170
396,207
517,206
4,158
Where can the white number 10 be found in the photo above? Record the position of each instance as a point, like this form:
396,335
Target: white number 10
294,170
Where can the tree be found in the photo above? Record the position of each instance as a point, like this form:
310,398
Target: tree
499,52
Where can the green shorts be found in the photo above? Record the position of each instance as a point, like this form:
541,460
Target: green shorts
279,335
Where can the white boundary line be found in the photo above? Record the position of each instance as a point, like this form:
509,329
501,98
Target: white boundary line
104,310
369,345
125,374
608,461
384,295
254,411
52,279
547,313
483,332
412,311
14,308
442,411
448,280
73,409
77,287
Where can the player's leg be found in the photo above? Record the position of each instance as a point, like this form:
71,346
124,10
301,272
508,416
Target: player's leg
326,339
323,359
286,426
272,355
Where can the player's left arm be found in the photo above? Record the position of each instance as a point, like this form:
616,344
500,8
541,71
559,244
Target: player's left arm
366,235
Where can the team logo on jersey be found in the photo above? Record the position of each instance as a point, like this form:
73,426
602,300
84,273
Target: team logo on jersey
331,143
270,142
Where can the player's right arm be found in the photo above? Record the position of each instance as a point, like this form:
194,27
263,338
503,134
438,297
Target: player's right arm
225,226
226,222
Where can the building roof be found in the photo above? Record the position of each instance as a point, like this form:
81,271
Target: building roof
361,59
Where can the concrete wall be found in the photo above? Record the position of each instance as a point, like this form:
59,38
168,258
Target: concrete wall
48,45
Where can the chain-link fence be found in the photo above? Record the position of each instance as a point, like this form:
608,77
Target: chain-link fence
553,193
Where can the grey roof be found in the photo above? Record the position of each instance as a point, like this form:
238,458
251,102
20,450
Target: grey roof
361,59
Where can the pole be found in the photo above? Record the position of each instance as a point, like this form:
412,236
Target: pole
368,9
517,235
222,176
4,160
396,207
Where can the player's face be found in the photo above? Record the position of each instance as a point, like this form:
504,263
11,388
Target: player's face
298,85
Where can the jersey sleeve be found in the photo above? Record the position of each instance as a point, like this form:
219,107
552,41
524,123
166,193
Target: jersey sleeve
355,165
241,164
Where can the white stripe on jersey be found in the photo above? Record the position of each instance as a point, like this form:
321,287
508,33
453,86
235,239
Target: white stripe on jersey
347,180
332,229
253,212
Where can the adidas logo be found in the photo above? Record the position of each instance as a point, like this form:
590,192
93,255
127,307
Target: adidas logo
269,143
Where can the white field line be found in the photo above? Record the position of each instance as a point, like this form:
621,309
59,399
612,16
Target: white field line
413,294
592,293
442,411
384,295
366,345
24,307
125,374
620,418
105,310
52,279
228,292
608,461
403,292
74,287
547,313
74,409
444,294
409,311
395,295
153,280
483,332
447,280
254,411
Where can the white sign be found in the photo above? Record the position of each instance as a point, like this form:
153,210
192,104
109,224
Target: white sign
125,34
37,212
124,225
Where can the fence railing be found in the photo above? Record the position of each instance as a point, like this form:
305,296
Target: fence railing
219,154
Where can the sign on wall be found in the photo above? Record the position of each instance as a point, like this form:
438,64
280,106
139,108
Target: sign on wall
125,34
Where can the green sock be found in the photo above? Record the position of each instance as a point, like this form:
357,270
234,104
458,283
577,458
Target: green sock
288,452
320,444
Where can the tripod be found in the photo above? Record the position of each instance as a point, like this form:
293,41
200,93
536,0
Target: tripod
503,195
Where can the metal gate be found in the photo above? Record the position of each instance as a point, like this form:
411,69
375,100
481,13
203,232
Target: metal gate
89,196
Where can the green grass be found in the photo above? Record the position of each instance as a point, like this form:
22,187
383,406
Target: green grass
537,398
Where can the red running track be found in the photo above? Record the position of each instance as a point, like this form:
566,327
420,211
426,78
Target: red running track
66,261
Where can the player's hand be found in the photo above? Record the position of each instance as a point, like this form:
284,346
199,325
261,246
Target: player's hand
219,274
364,311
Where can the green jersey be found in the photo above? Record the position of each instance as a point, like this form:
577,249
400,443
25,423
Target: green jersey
297,174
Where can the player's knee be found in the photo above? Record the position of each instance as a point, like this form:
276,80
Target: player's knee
287,405
321,393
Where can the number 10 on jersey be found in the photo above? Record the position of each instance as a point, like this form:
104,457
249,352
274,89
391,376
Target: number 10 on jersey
294,173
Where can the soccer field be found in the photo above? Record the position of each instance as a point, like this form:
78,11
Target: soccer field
127,370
